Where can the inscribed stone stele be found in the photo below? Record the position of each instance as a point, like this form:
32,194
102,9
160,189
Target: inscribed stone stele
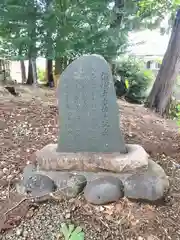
88,111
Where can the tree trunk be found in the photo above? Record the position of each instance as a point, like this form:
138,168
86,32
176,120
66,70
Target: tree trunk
23,71
49,70
65,63
162,89
30,73
34,72
118,13
58,66
61,64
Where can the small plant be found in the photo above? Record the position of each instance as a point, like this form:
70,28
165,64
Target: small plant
71,233
178,115
41,76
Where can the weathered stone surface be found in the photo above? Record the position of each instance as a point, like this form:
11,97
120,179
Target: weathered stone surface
58,176
104,190
150,185
86,95
39,185
28,171
135,160
68,184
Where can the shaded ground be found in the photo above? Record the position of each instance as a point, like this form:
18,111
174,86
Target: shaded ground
29,122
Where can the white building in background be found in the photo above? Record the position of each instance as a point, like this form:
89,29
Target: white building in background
151,48
151,51
15,68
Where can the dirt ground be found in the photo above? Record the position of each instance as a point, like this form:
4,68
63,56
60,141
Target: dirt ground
30,121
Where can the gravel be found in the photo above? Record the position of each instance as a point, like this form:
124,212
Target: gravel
44,221
44,225
31,124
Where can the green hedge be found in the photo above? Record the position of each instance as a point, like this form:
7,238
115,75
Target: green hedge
139,79
41,76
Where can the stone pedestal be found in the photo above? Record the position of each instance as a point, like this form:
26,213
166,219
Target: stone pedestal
135,160
104,177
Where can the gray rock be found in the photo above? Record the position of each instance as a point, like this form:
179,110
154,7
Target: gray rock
75,185
39,185
87,96
28,172
68,184
150,185
104,190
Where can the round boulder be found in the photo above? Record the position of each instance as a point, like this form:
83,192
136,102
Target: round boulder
74,185
68,184
39,185
28,171
104,190
151,185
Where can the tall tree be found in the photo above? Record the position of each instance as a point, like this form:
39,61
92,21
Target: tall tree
162,89
23,71
48,18
62,30
32,35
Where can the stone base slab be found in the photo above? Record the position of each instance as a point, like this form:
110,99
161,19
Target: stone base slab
150,184
134,161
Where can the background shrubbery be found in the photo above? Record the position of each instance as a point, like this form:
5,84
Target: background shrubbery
132,71
41,75
134,82
174,105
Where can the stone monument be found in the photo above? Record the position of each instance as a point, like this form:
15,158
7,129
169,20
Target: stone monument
91,154
88,112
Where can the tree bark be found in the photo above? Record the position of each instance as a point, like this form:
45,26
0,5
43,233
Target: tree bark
30,73
161,92
58,66
23,71
32,51
49,71
34,72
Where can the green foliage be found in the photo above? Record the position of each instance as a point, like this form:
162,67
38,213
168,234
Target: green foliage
178,115
174,110
41,75
139,79
18,28
72,233
159,60
178,80
69,28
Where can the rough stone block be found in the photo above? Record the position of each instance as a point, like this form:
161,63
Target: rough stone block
135,160
151,184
